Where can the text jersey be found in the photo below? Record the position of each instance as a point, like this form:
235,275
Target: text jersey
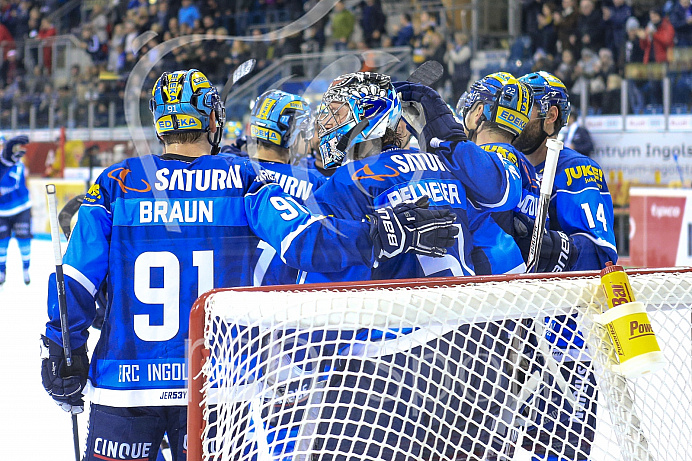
300,183
14,196
163,231
495,251
581,207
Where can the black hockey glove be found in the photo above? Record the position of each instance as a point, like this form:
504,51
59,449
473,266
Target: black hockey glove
13,150
558,252
428,115
64,385
410,226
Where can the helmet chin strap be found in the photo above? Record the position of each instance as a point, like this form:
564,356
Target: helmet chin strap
214,139
539,141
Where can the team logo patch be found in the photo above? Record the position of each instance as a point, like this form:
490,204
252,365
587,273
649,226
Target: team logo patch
184,122
261,132
198,80
266,108
366,173
120,176
94,194
511,118
295,105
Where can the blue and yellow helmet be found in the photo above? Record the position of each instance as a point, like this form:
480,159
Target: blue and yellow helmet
277,117
356,107
506,101
549,91
183,101
232,130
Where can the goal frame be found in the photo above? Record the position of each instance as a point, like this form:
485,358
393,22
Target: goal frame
197,354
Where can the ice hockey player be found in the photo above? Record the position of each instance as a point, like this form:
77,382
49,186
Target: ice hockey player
581,207
279,121
11,152
358,128
580,237
15,204
494,112
162,230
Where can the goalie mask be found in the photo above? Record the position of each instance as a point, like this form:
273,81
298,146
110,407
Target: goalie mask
279,117
356,107
182,102
507,103
549,91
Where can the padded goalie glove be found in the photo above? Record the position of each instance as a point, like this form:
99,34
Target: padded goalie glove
558,252
65,385
412,227
13,150
428,115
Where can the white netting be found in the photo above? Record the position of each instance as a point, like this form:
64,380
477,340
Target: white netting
442,373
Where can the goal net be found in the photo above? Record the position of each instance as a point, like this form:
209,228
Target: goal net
438,369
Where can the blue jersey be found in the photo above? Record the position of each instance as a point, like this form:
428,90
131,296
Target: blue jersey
495,251
581,207
309,163
14,196
398,175
162,231
300,184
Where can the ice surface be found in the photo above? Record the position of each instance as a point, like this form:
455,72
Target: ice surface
35,427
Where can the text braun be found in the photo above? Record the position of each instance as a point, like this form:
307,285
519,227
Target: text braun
175,211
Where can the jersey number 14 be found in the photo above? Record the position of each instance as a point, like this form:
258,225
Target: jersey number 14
600,216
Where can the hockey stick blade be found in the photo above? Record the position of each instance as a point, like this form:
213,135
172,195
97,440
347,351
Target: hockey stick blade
427,73
240,72
554,148
68,211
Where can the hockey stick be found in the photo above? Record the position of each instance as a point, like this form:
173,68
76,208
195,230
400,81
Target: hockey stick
62,298
427,73
240,72
523,328
554,148
67,213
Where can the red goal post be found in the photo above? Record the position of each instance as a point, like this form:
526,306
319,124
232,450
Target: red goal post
453,374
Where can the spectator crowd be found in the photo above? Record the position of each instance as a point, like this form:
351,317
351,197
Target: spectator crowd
589,44
598,46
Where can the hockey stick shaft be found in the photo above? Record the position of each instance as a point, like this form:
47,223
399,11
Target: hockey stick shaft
59,275
554,148
62,298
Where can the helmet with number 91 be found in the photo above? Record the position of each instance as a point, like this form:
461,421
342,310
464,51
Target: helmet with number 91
549,91
356,107
506,102
278,117
183,101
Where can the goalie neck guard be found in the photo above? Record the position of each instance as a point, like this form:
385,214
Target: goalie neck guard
507,102
183,101
278,117
356,107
